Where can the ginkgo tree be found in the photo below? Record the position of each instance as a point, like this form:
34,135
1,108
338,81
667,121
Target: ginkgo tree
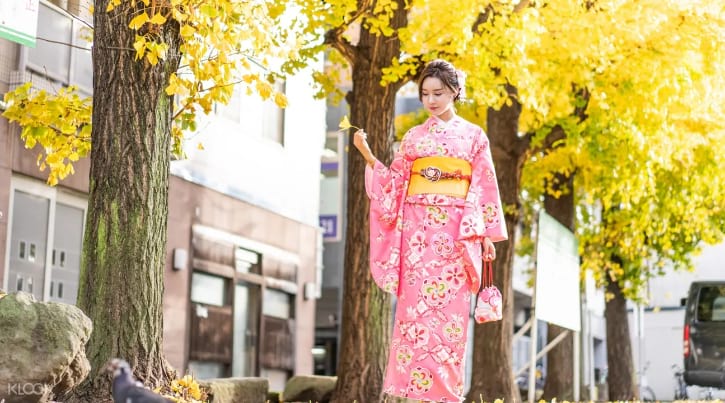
528,70
639,74
157,64
626,101
653,117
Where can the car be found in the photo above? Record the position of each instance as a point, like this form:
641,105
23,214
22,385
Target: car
704,334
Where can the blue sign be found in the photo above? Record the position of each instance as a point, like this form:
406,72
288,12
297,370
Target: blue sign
329,226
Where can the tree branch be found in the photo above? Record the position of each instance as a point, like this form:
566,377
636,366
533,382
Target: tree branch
82,47
413,76
521,5
334,38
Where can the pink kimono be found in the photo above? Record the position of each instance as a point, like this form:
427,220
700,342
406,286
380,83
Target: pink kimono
426,249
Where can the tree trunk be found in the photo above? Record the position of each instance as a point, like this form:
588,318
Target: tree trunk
559,362
121,280
492,348
620,376
366,313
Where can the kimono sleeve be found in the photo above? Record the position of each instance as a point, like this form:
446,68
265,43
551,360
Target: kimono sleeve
386,188
482,213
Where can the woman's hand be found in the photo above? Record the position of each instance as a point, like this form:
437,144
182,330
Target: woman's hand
489,251
360,140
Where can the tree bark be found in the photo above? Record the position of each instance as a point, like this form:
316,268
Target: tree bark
559,361
492,348
620,362
366,313
121,280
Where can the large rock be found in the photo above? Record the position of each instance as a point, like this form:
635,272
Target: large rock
43,352
309,388
236,390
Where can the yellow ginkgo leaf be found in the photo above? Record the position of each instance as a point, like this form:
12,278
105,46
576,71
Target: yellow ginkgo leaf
200,146
187,31
158,19
280,100
140,46
138,21
345,124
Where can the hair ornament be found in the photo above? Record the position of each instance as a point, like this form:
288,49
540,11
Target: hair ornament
461,76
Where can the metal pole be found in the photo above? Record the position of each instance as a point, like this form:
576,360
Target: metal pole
532,351
543,351
590,352
521,331
534,334
577,366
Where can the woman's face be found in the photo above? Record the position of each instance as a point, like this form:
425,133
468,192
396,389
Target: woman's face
437,98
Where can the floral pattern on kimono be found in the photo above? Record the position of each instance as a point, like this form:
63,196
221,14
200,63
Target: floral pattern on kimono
426,249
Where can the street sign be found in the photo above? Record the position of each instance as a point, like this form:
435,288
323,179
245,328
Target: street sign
19,21
329,226
558,294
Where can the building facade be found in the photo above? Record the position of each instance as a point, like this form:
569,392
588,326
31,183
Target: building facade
244,262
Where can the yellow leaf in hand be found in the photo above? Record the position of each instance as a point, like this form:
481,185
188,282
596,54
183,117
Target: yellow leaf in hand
345,124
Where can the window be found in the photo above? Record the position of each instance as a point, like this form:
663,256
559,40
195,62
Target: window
257,117
45,242
79,8
59,62
246,261
711,304
273,119
208,289
277,304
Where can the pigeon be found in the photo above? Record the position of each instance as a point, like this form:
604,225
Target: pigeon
126,389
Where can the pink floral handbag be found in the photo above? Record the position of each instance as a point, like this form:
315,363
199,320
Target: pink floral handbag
489,300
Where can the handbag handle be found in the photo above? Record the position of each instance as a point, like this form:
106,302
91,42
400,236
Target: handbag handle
487,280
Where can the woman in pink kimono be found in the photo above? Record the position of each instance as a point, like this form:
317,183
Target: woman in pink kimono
431,214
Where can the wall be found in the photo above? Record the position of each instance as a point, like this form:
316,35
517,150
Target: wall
254,188
191,204
280,177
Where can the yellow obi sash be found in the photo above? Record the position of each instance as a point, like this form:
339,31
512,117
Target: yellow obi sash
440,175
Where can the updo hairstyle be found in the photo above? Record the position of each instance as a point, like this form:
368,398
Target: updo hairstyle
443,71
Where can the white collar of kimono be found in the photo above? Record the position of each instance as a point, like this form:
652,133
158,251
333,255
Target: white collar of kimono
444,123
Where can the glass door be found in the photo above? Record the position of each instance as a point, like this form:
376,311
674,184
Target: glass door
28,241
246,329
66,255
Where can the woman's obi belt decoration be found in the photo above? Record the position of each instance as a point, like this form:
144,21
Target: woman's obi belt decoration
440,175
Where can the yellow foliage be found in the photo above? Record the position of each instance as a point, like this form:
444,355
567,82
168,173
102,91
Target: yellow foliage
158,19
640,106
138,21
184,390
59,123
223,43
